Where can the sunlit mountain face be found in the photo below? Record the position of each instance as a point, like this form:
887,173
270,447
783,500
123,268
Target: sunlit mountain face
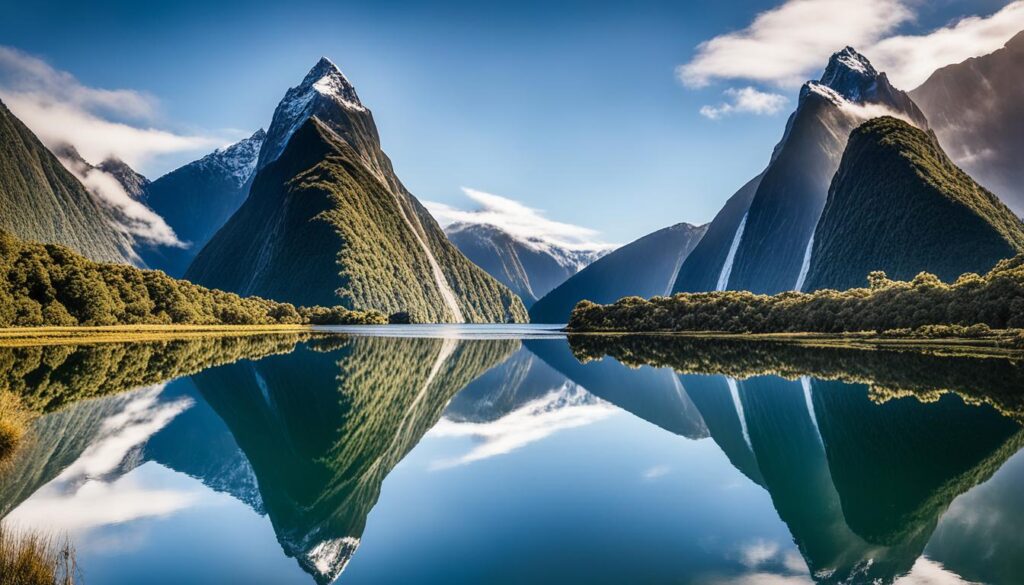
437,457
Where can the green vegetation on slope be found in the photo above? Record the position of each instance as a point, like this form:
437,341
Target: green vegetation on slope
898,204
48,284
995,300
321,228
40,200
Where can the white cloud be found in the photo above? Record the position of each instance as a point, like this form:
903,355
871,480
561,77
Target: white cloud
785,44
523,222
566,407
791,43
81,497
928,572
653,473
909,60
98,122
132,217
747,100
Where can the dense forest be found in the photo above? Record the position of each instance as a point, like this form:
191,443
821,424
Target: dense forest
995,300
48,284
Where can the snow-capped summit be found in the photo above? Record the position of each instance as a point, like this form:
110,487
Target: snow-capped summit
236,162
326,79
325,92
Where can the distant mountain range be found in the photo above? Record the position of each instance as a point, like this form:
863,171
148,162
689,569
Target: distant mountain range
328,222
977,110
198,198
644,268
530,268
898,204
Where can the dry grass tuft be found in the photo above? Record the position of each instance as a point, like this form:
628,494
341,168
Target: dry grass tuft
15,418
30,558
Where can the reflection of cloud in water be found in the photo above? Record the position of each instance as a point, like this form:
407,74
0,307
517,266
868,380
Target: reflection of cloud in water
657,471
83,496
928,572
567,407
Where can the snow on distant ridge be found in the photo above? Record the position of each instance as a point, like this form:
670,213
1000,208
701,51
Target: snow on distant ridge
237,161
526,224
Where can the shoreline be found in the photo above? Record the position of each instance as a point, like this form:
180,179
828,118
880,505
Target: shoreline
952,346
36,336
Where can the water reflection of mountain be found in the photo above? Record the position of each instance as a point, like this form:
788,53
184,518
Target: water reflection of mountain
306,437
321,429
84,385
860,476
861,461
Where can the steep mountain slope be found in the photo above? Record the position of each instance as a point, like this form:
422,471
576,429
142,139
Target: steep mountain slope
133,182
530,268
41,200
900,205
327,221
198,198
703,269
977,110
770,256
645,268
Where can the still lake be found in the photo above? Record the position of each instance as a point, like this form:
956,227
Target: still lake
464,455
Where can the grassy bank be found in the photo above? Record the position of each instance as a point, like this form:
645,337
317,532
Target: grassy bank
29,558
33,336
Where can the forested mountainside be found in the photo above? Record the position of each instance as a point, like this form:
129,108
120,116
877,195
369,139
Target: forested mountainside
328,222
898,204
41,200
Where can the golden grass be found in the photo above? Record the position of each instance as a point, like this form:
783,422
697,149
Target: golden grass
15,418
30,558
34,336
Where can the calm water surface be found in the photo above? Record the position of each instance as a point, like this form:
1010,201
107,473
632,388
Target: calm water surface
513,455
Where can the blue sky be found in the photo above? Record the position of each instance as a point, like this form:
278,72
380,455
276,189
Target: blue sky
573,108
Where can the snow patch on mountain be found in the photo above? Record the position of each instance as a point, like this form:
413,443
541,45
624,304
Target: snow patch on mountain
323,82
236,162
572,244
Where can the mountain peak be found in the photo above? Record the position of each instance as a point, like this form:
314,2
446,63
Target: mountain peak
849,73
1017,42
327,80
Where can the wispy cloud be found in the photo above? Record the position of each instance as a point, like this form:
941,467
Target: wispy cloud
789,44
98,122
131,216
521,221
747,100
909,60
784,44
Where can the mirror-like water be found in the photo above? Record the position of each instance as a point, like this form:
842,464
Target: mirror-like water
515,455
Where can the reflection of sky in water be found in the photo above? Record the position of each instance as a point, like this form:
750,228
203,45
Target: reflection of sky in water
561,486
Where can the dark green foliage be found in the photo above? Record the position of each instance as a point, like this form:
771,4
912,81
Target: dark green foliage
399,318
321,228
40,200
645,267
898,204
995,300
48,284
